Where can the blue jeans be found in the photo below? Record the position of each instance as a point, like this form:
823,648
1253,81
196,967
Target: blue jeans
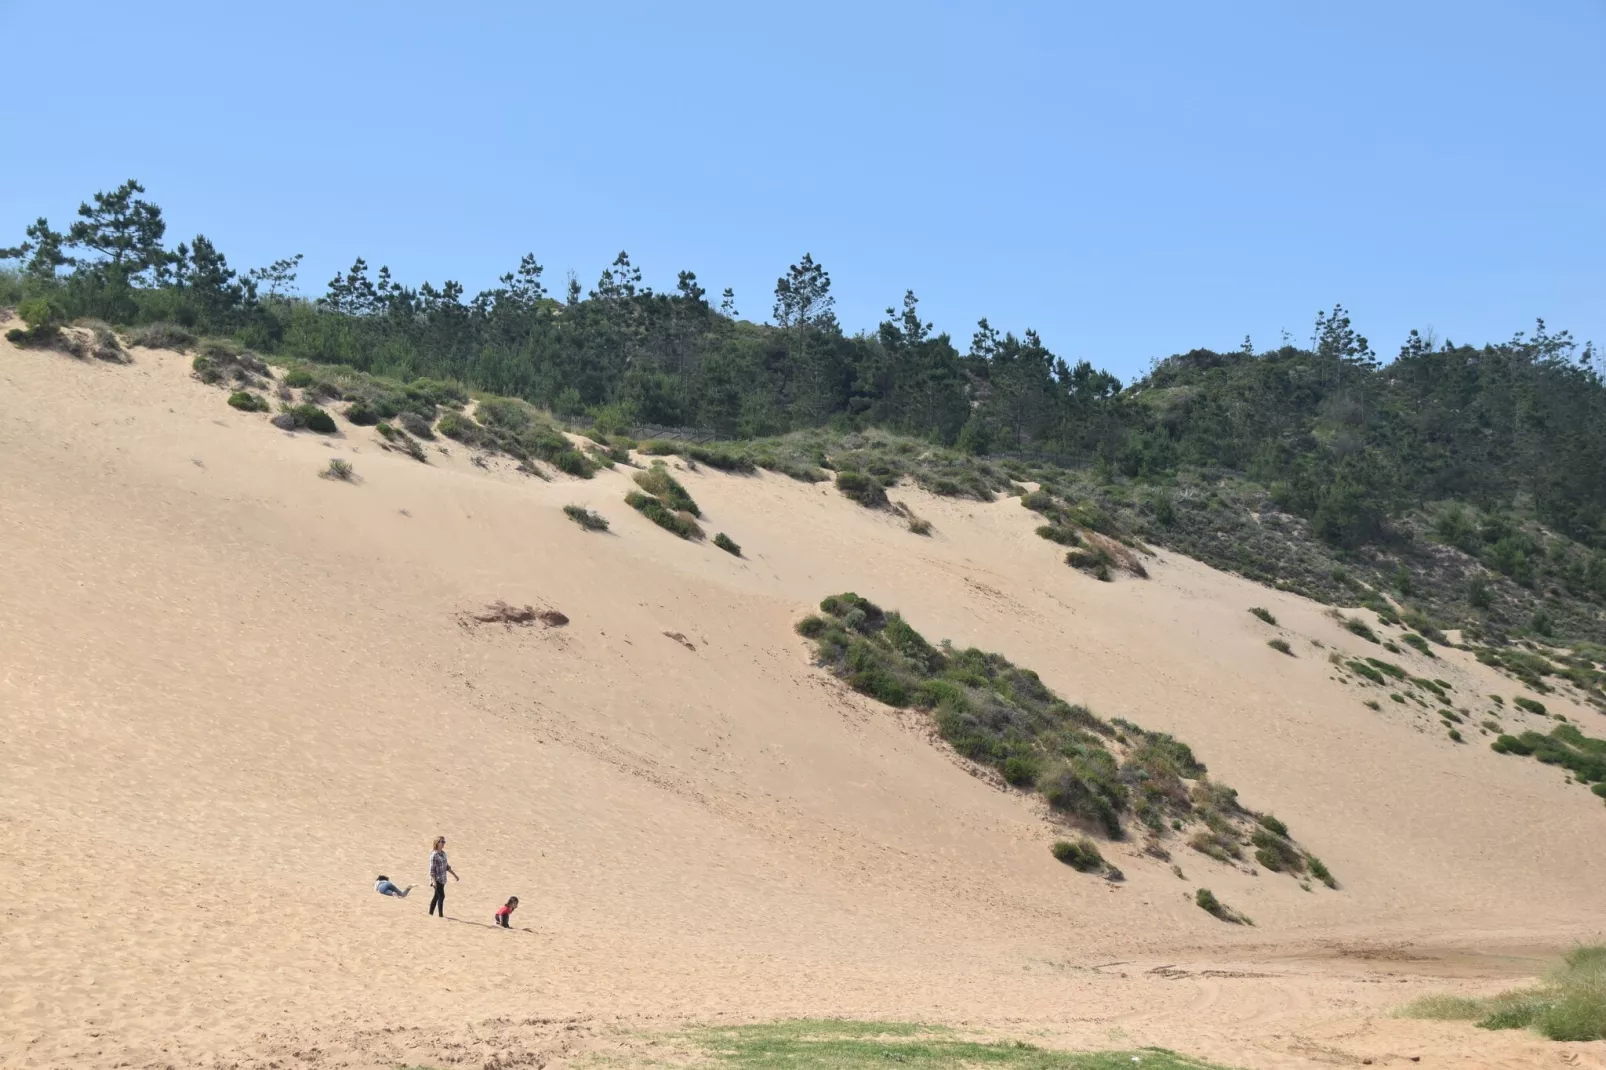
388,888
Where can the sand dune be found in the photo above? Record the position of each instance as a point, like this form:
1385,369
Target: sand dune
231,693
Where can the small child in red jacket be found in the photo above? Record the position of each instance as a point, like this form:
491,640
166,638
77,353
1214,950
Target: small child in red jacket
506,912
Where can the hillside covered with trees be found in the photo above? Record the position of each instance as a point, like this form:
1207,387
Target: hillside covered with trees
1484,465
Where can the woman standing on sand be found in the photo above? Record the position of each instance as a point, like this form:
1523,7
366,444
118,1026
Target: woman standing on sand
438,868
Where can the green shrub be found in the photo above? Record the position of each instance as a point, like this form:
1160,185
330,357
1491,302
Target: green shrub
1372,704
1083,855
681,524
459,428
1363,669
1397,697
724,542
919,526
1271,824
1281,646
1419,643
812,626
1388,668
416,425
861,488
1361,628
298,378
1275,852
1058,533
1018,771
1455,735
1264,614
586,518
1319,871
1208,902
362,413
660,484
312,418
1522,702
246,401
339,469
162,336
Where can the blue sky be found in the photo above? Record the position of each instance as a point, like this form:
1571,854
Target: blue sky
1130,179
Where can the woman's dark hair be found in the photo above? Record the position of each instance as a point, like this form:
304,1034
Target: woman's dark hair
512,900
381,877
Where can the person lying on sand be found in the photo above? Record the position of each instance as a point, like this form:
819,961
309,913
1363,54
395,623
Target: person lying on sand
506,912
383,886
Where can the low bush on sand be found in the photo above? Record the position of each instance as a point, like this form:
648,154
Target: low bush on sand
1418,643
339,469
666,488
586,518
1281,646
246,401
1360,628
1099,775
1207,901
1566,746
1570,1005
1522,702
1082,855
726,543
415,425
682,524
1264,614
162,336
362,414
312,418
861,488
919,526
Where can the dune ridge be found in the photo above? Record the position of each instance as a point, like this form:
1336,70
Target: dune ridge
232,692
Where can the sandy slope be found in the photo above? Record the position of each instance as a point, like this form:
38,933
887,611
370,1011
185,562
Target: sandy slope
232,692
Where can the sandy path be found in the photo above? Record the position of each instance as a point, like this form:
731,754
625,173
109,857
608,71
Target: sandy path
231,693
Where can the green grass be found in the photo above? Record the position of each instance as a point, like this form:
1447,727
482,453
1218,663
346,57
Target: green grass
1570,1005
847,1045
1206,900
1281,646
1264,614
1566,746
246,401
865,490
726,543
1361,628
1082,855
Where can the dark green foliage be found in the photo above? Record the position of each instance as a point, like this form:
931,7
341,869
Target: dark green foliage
162,336
312,418
1270,823
586,518
1522,702
246,401
726,543
1361,628
1281,646
1367,671
1455,735
460,428
298,378
1419,643
666,488
1387,668
862,489
1320,871
339,469
1082,855
416,425
1208,902
681,524
1566,746
362,413
1002,716
1264,614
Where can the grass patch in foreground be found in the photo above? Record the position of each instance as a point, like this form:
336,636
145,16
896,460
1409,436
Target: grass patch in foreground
1570,1005
840,1045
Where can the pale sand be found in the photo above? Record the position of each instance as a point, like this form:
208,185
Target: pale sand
232,692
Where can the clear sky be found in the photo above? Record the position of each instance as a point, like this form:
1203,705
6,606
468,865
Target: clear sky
1131,179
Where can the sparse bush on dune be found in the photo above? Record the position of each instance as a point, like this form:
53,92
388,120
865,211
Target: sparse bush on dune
862,489
1082,855
298,378
1522,702
339,469
162,336
415,425
1208,902
361,413
1570,1005
1281,646
246,401
1092,773
1565,746
1264,614
312,418
919,526
1361,628
680,523
726,543
666,488
586,518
